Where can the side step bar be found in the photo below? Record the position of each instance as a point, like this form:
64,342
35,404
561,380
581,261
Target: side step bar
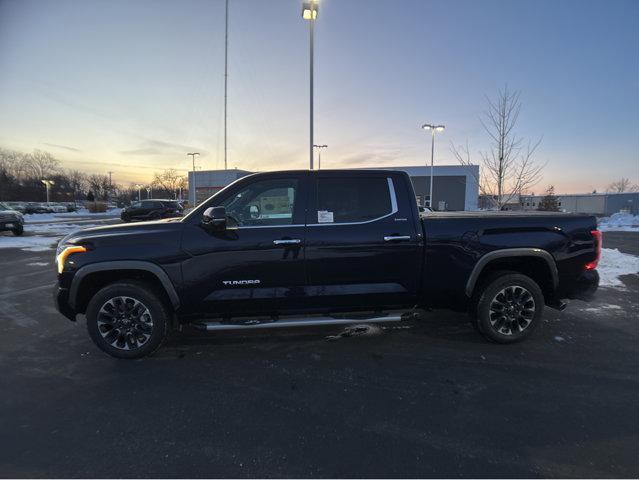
294,322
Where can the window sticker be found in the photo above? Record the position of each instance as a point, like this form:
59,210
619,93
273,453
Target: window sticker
324,216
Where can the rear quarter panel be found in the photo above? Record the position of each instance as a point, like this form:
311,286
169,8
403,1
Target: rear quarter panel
455,243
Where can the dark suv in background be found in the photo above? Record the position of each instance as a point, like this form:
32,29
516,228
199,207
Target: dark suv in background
152,210
11,220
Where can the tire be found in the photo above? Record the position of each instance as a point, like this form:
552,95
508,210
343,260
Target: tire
508,307
125,218
19,230
141,317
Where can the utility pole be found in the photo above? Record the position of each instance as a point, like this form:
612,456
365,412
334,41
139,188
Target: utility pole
226,80
194,192
110,183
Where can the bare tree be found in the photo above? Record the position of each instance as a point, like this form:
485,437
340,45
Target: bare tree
169,181
78,183
99,185
42,164
508,168
622,185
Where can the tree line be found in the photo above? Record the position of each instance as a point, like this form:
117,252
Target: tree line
21,176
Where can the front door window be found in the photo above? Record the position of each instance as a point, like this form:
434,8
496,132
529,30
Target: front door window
263,203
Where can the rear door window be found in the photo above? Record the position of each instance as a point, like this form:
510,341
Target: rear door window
352,200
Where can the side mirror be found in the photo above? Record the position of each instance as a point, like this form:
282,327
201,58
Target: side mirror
215,217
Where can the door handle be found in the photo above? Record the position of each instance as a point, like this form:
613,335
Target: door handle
288,241
396,238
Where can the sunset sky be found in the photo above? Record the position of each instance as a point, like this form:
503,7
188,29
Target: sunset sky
133,85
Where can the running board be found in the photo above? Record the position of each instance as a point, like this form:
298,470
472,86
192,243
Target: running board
294,322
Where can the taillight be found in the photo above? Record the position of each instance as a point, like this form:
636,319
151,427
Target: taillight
596,234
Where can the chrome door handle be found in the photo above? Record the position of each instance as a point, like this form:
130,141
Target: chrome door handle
290,241
396,238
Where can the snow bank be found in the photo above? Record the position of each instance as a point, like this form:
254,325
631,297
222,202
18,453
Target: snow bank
83,212
620,222
40,236
613,263
31,244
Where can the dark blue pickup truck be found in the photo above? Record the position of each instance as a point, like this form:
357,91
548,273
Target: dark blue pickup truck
297,248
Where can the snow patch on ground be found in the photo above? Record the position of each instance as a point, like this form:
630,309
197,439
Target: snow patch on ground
604,309
40,237
83,212
613,264
360,330
31,244
620,222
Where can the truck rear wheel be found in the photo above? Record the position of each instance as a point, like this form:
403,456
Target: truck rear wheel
128,319
508,307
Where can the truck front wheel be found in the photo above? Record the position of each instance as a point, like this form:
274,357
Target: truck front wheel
128,319
508,307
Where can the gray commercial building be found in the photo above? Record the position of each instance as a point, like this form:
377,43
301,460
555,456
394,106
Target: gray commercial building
601,204
455,187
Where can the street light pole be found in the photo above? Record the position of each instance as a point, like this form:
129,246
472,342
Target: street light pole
139,192
433,129
310,10
319,155
226,76
194,192
47,184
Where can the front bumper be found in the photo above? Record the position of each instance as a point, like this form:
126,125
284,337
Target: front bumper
61,300
585,286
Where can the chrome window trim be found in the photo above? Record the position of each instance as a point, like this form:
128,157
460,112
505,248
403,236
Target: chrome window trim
394,210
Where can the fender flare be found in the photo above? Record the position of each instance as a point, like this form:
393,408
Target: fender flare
149,267
508,253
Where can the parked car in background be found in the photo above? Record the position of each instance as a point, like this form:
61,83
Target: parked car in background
71,206
17,206
56,207
11,220
151,210
35,207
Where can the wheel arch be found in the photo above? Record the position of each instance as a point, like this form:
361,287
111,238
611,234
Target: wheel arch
90,278
536,263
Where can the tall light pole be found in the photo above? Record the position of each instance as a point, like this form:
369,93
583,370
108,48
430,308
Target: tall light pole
310,9
319,155
139,187
226,76
433,129
48,184
193,158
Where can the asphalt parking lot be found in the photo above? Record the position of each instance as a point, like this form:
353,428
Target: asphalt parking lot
418,399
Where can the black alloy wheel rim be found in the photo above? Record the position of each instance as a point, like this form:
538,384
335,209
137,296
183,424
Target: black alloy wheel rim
125,323
512,310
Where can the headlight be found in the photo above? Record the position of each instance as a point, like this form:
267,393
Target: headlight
66,251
